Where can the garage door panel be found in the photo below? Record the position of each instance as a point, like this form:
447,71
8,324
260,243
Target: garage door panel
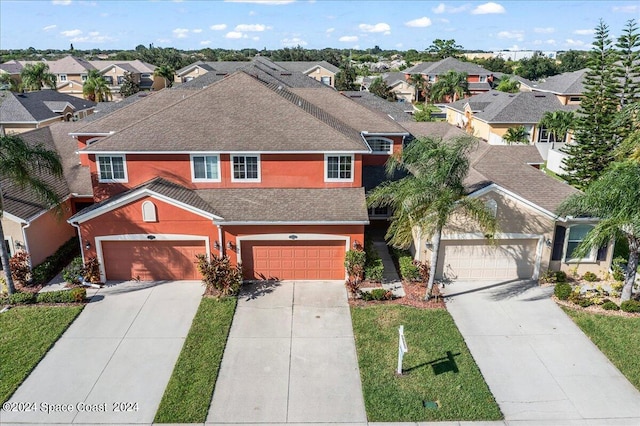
300,260
476,260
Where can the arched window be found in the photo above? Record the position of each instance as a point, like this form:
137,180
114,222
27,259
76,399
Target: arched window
492,205
149,212
380,145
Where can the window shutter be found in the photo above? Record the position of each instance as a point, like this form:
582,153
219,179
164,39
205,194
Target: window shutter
558,242
602,253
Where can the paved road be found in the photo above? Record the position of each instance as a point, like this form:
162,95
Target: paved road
539,365
120,349
290,358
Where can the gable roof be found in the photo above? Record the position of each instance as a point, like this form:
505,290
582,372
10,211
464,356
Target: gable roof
398,111
237,114
37,106
447,64
135,66
519,108
306,66
70,65
11,67
505,166
568,83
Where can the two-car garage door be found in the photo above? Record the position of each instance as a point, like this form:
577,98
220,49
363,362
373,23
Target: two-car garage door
476,260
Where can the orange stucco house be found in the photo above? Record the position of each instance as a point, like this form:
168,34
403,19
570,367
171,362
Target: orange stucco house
265,173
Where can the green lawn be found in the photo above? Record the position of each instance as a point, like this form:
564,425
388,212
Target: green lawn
26,334
617,337
188,394
438,367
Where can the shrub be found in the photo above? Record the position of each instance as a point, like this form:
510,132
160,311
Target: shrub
20,298
630,306
581,301
374,271
408,270
561,276
92,270
63,296
219,276
377,294
548,277
53,264
354,261
20,270
562,291
74,271
353,286
590,277
608,305
424,270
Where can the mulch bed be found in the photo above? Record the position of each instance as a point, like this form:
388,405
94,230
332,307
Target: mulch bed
596,309
414,297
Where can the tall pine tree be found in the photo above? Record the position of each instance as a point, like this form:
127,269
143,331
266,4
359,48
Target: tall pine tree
628,68
595,134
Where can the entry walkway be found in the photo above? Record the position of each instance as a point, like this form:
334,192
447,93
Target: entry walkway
538,364
290,358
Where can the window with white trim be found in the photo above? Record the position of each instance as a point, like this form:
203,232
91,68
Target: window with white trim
84,77
112,168
545,136
245,168
326,80
482,79
576,234
339,168
108,79
205,168
380,145
378,211
62,77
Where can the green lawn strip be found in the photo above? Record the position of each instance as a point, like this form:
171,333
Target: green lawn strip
617,337
26,335
430,375
188,394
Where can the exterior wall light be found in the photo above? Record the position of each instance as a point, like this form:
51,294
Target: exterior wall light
87,245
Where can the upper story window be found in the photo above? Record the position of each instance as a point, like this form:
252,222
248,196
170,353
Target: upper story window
120,79
339,168
575,99
431,78
245,168
62,77
84,77
483,79
326,80
577,234
205,168
145,75
149,213
545,136
112,168
378,211
108,79
380,145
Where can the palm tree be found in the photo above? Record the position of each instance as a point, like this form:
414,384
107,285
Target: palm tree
431,193
422,87
508,85
558,123
35,76
614,198
452,85
516,135
95,88
11,83
165,72
23,165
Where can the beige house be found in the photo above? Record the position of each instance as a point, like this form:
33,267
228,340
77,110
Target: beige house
568,87
531,237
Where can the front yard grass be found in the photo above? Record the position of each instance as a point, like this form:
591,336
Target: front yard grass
188,394
26,335
438,367
617,337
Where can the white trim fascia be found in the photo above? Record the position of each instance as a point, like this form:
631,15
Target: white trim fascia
303,222
188,70
13,217
497,188
366,133
142,237
134,196
353,167
76,134
84,151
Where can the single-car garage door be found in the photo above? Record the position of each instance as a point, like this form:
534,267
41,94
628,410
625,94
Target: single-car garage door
151,260
293,260
477,260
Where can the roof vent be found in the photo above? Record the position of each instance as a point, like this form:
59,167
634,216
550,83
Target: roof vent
279,87
540,96
299,103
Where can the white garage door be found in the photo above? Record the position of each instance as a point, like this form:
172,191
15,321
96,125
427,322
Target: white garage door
476,260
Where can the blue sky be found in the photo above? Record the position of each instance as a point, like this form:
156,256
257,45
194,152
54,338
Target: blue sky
274,24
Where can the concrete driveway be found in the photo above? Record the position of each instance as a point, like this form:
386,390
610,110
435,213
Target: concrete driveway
113,363
290,358
537,362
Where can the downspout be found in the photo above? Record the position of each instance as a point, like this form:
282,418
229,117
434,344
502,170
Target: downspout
26,242
221,248
75,225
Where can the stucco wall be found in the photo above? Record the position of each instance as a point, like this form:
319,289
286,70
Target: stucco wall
48,232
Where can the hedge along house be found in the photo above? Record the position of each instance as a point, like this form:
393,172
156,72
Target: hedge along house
531,237
267,174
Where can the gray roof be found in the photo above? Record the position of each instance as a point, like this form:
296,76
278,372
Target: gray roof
507,166
11,67
568,83
479,86
392,78
447,64
399,111
304,66
201,64
104,108
33,106
517,108
70,65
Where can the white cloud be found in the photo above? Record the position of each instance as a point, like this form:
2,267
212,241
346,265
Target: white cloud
626,9
583,32
550,41
398,45
61,2
294,41
419,23
252,13
94,33
330,30
442,8
514,47
518,35
251,27
218,27
537,42
488,8
163,40
255,38
381,27
205,42
265,2
546,30
234,34
444,20
197,30
348,39
575,43
71,33
92,37
50,27
180,33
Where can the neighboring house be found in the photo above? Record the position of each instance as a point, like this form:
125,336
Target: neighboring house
27,223
397,83
250,167
488,116
479,79
21,112
321,71
568,87
398,111
531,238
